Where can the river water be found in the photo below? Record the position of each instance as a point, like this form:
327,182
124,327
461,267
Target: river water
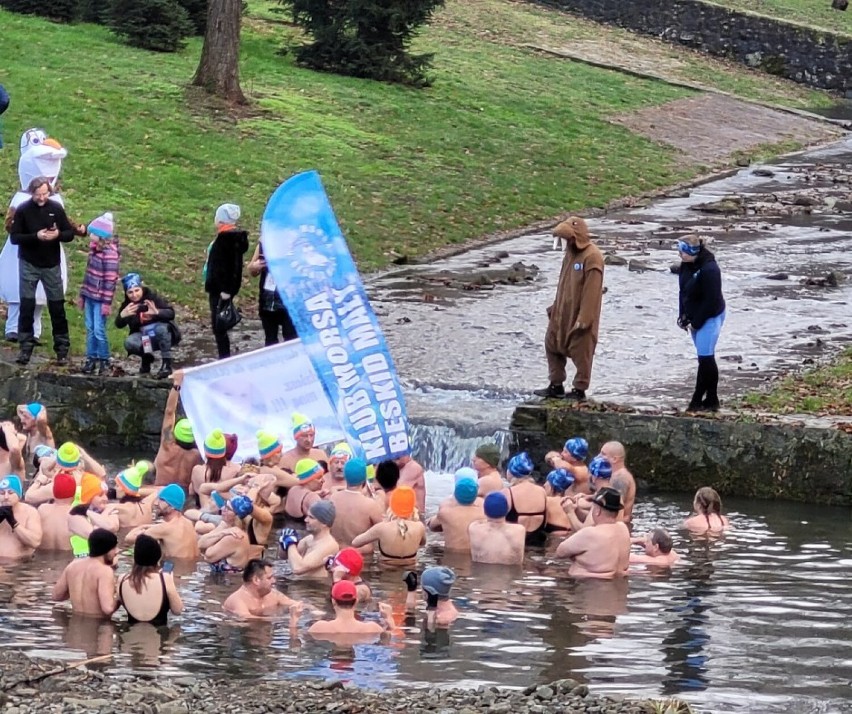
756,621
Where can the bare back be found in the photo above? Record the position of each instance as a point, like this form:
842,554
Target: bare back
497,542
455,520
600,551
85,578
356,514
174,464
54,526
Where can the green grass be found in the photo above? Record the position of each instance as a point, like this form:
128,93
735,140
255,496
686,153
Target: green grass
825,391
817,13
505,137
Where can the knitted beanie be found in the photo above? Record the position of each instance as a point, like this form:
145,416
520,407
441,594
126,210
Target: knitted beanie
214,445
102,226
267,444
68,455
90,487
227,213
183,432
64,486
308,470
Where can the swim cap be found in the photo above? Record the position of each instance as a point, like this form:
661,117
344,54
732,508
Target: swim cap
496,505
685,247
403,501
600,467
183,432
131,478
324,512
342,451
465,491
232,443
12,483
355,472
520,465
578,447
147,551
216,497
344,591
560,480
267,444
387,474
214,445
489,453
350,560
308,470
90,487
242,506
301,423
131,280
174,495
64,486
68,455
34,408
43,451
101,542
437,580
465,472
371,472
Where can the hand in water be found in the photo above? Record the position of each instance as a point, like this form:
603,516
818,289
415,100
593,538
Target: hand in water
410,579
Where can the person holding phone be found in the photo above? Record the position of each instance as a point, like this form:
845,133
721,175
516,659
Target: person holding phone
148,593
151,321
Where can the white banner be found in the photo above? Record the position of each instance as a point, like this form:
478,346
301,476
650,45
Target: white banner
255,391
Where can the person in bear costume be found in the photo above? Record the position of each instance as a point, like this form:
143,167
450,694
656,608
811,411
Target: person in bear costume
574,316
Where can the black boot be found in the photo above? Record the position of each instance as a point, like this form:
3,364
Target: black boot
147,361
89,366
700,388
576,395
165,368
24,356
711,401
554,391
103,367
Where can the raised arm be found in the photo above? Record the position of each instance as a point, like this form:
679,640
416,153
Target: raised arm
167,435
369,536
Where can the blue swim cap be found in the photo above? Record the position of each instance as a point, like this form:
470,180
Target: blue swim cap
685,247
465,491
242,506
560,480
496,505
34,408
600,467
42,451
355,472
217,498
520,465
465,472
578,447
174,495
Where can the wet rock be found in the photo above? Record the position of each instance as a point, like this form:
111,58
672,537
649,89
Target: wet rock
612,259
728,205
843,206
638,266
732,358
175,707
777,276
502,255
803,200
580,691
544,692
766,173
830,280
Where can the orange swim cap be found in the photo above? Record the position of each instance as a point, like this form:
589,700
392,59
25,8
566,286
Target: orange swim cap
402,501
90,486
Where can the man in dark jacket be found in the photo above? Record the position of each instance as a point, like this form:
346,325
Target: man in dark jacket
225,269
39,226
150,319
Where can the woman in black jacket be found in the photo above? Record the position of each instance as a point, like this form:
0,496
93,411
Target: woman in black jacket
224,270
151,321
273,315
702,314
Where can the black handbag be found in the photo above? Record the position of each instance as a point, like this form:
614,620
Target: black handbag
228,315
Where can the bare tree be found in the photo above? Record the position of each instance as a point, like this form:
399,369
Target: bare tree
219,68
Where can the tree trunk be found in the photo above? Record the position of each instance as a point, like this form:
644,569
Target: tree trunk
219,68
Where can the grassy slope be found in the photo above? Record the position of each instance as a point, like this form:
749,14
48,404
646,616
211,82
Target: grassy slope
505,136
818,13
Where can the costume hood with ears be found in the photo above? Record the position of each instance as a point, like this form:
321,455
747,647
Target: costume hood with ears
40,156
575,228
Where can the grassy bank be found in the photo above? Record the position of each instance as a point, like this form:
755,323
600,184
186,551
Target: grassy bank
817,13
505,136
826,390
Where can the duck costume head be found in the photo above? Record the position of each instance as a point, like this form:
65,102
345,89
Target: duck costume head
40,156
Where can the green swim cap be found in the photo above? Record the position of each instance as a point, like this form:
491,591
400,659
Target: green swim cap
68,455
183,432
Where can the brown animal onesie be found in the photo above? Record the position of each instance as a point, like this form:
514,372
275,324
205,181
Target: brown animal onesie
576,311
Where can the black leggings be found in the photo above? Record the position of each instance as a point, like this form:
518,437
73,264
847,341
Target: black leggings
273,321
223,342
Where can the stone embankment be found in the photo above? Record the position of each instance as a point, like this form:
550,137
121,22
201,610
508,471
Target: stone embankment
39,686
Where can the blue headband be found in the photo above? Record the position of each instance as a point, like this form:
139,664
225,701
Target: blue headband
685,247
131,280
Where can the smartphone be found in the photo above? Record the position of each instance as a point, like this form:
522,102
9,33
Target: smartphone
143,307
168,566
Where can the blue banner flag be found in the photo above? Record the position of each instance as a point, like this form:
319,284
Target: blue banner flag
315,275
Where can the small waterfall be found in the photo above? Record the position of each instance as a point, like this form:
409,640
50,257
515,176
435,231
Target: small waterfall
443,449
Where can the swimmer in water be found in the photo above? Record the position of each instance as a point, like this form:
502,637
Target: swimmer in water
35,427
347,565
622,480
411,474
573,460
436,583
257,598
356,511
344,597
12,446
304,434
708,516
54,515
399,537
177,455
308,556
89,582
175,532
658,549
456,513
20,525
558,483
485,460
494,540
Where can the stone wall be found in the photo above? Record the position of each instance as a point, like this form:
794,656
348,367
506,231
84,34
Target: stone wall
803,54
672,453
101,413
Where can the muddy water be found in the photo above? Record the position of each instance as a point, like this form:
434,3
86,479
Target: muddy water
754,622
488,342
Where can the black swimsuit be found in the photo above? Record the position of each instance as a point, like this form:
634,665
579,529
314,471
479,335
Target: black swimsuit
397,557
161,618
539,535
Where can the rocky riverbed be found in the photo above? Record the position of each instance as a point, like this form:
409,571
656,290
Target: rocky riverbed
29,685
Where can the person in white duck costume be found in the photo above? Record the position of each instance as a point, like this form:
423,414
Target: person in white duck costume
40,156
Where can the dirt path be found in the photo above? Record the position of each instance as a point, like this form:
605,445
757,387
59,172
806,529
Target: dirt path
709,129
